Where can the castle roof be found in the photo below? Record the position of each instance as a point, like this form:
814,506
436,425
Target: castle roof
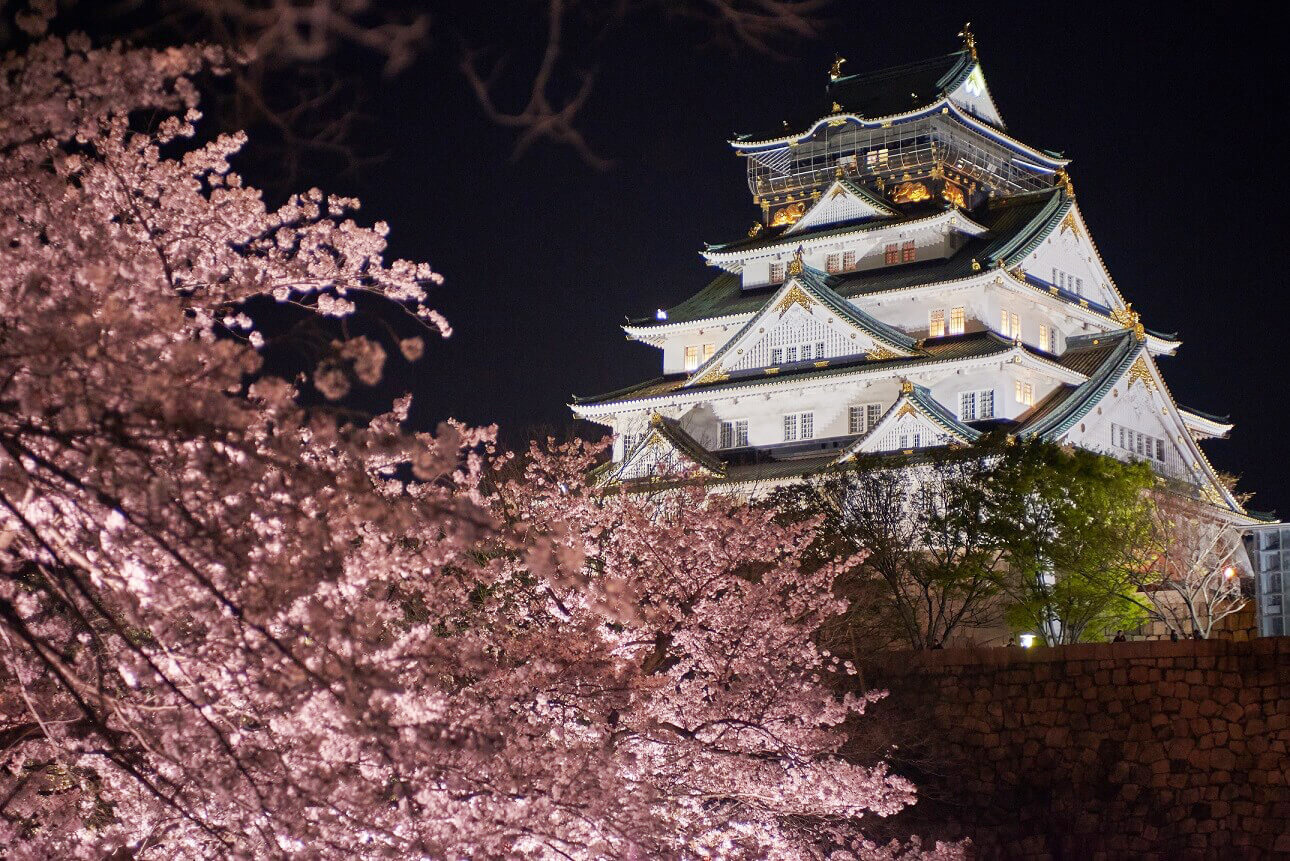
1009,227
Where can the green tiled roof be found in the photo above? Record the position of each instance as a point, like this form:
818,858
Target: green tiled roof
974,345
895,90
1117,351
1004,224
903,88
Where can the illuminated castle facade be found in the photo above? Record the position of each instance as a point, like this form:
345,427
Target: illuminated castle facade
917,277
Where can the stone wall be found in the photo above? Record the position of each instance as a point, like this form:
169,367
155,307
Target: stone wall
1151,750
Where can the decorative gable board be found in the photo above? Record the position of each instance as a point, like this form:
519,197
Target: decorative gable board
1067,259
911,423
655,455
1136,412
841,202
973,96
797,315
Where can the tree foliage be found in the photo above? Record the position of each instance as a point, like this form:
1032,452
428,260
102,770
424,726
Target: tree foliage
1072,524
231,627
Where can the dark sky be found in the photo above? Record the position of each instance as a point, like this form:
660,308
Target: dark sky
1175,120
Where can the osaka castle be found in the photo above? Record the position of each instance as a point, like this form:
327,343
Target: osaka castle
916,276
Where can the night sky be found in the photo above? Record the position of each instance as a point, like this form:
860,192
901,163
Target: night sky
1175,121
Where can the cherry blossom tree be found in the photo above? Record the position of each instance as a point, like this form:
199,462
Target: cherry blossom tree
231,626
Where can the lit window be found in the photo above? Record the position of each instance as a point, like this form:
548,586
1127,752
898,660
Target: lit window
891,254
936,323
875,158
734,434
861,418
833,263
957,320
1025,393
1009,324
1047,338
776,273
907,252
691,357
848,260
708,350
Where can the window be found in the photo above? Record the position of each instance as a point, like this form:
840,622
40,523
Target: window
806,352
819,349
907,252
976,405
957,320
875,158
833,263
790,355
936,323
776,356
848,260
891,254
695,354
799,426
734,434
1137,443
629,442
1025,393
776,273
861,418
1047,338
1067,281
1009,324
916,439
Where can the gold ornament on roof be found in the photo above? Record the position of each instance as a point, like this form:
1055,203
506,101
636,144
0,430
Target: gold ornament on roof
1139,373
1069,223
1064,180
788,214
953,195
969,39
836,107
755,229
906,387
879,353
795,265
835,71
910,192
795,296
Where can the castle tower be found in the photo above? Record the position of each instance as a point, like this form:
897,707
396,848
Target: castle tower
916,277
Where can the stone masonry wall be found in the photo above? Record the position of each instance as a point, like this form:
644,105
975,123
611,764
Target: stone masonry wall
1150,750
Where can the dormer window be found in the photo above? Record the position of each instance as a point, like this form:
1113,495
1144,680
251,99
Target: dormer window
848,260
833,263
936,323
907,252
696,354
777,273
958,321
891,254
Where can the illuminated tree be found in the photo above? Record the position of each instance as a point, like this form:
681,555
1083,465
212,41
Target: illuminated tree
231,627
